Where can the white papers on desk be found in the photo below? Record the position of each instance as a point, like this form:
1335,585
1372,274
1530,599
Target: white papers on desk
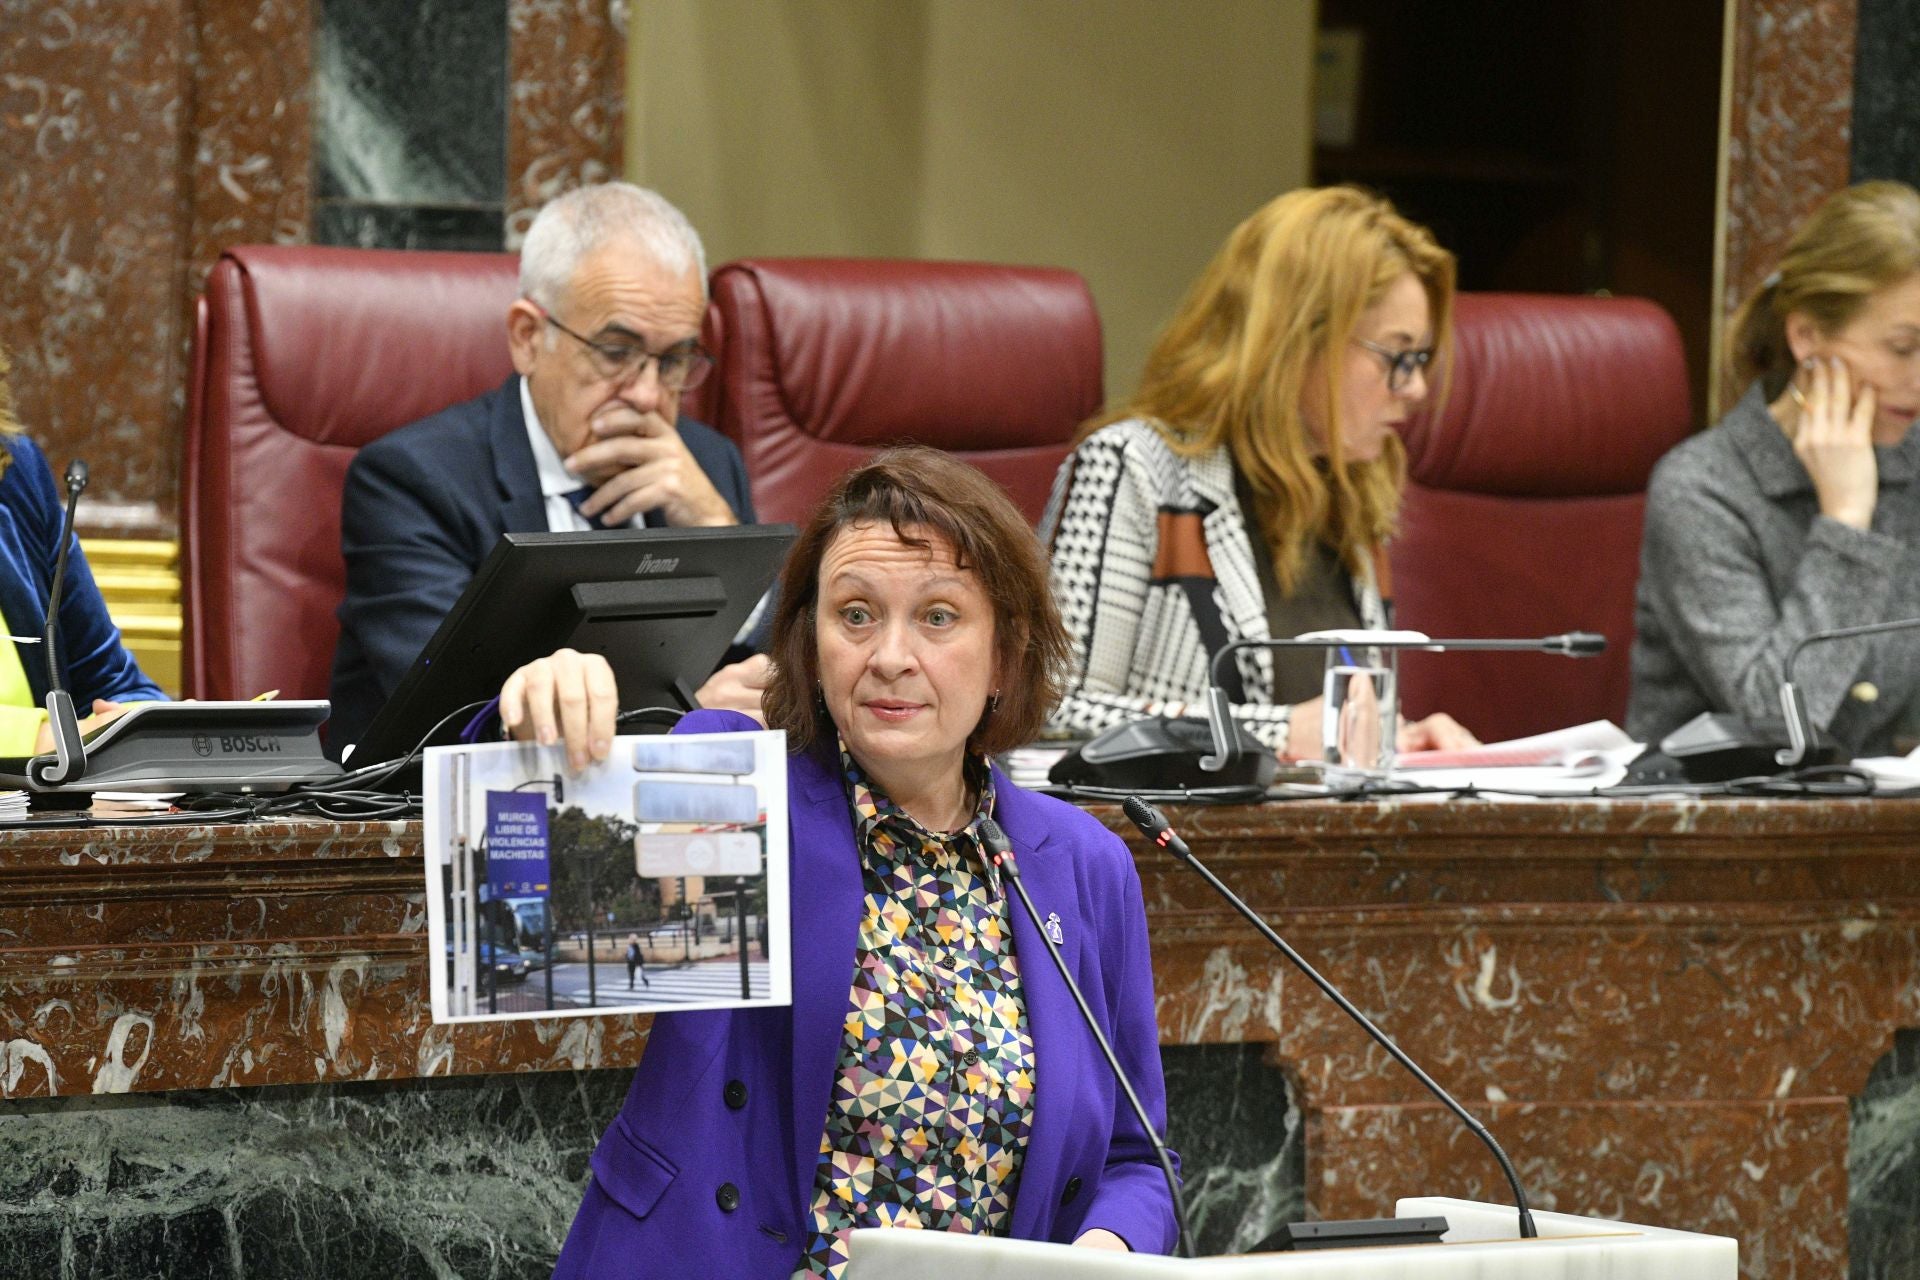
13,806
1029,766
1893,771
1595,754
132,804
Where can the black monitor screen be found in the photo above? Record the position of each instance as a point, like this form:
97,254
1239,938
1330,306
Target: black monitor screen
661,605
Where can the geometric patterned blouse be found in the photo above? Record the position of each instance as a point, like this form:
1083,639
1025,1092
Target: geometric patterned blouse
933,1096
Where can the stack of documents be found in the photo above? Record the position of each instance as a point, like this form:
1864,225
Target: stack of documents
1595,754
1027,766
132,804
13,806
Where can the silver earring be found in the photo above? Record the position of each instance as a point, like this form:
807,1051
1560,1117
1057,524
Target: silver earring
993,702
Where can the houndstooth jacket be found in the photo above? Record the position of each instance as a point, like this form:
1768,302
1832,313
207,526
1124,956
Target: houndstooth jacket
1153,573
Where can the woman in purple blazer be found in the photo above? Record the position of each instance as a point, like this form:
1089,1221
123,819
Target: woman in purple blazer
932,1071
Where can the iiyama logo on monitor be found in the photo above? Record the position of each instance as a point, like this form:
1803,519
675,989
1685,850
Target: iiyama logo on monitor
657,564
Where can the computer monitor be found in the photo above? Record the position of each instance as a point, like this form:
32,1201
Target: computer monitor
661,605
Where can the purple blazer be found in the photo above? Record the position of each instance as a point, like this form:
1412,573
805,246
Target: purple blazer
710,1163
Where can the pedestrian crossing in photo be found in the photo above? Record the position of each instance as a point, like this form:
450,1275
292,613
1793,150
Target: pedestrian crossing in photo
666,984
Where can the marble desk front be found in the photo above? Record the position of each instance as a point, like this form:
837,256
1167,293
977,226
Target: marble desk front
1662,1009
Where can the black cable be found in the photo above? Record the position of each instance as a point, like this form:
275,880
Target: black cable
669,715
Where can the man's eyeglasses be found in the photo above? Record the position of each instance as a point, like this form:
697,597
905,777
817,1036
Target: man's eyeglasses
683,365
1400,364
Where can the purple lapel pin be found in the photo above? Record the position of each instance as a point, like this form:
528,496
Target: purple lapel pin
1053,928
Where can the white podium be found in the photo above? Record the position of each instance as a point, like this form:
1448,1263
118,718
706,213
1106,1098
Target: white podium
1480,1244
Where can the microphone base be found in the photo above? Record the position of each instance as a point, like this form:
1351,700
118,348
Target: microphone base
1717,747
1161,754
196,746
1357,1233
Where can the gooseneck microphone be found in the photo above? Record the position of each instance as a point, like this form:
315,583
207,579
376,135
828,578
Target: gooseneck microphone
999,851
1802,733
1154,826
68,762
1226,744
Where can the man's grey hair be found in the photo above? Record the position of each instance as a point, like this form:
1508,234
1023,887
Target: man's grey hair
574,225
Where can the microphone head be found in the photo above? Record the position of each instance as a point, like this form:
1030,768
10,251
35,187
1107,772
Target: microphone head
1144,816
1581,644
76,475
994,838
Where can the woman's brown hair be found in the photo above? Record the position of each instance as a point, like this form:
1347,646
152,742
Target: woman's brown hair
921,493
1860,240
1279,303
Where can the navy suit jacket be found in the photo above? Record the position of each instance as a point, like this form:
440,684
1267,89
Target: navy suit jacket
423,508
97,664
709,1167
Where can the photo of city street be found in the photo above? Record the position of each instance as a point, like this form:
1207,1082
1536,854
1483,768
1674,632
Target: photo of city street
642,883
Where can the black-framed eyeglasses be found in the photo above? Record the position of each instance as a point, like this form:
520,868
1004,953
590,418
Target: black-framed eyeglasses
1400,363
679,367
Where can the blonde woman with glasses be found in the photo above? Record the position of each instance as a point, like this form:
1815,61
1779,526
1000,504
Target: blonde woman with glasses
1248,488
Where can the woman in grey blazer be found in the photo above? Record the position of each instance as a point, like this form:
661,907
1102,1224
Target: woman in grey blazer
1800,510
1247,488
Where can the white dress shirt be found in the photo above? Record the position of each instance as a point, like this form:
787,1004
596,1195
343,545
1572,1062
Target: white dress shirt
556,482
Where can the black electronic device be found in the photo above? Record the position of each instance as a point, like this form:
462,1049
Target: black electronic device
1354,1233
1162,754
661,605
193,746
1715,746
999,851
162,746
1154,826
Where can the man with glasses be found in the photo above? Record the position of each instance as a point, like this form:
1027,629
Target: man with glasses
586,434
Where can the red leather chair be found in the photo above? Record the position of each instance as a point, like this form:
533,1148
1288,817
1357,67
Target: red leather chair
824,361
302,355
1523,511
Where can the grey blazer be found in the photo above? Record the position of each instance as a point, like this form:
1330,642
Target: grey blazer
1737,564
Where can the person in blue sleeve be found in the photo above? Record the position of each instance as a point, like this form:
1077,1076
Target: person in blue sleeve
932,1071
100,673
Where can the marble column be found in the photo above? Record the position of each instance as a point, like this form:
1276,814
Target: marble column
1790,101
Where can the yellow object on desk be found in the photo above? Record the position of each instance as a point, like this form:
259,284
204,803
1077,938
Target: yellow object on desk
268,696
20,719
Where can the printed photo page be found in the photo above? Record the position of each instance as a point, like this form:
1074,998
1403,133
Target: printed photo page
657,880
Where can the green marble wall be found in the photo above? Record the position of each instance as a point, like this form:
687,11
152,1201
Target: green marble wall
472,1178
1883,1169
477,1178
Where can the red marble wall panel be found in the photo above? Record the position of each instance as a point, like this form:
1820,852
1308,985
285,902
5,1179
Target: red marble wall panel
567,83
251,130
280,954
92,94
1787,140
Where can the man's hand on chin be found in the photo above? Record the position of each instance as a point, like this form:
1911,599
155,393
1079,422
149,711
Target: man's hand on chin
637,462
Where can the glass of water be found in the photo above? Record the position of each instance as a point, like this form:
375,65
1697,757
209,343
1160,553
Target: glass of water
1359,713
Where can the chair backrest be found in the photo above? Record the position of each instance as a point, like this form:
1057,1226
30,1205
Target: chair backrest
1523,508
825,361
301,356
